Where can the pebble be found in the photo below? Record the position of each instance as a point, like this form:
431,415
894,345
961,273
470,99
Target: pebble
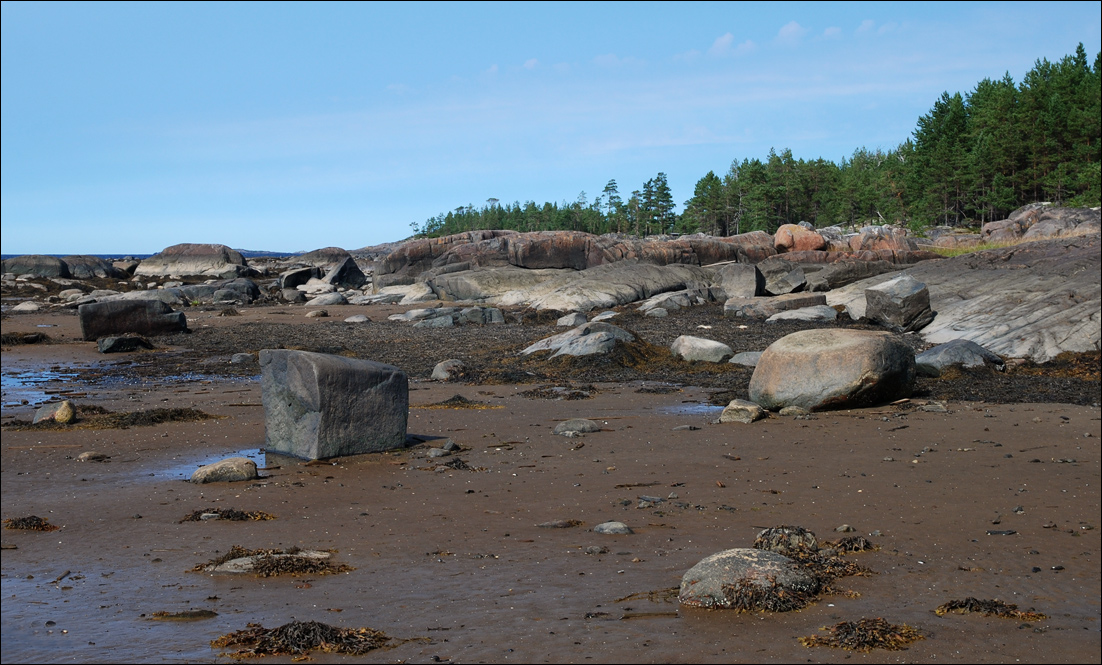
596,549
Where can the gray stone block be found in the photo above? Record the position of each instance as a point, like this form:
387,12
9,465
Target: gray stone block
118,317
318,406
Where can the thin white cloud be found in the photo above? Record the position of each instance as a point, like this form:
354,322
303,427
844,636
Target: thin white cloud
791,33
832,32
722,45
886,28
866,25
612,60
531,63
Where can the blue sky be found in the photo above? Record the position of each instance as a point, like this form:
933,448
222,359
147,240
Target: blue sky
130,127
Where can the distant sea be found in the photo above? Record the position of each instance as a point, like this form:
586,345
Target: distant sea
247,253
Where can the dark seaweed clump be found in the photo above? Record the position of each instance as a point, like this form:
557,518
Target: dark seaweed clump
30,523
865,635
299,638
459,402
97,417
751,596
229,514
273,562
988,608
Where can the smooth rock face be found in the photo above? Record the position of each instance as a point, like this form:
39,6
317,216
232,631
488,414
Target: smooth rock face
957,353
60,412
606,286
447,370
833,369
796,238
746,358
841,273
588,339
37,265
87,267
118,317
740,280
327,299
571,320
708,583
814,313
882,237
691,348
782,276
577,425
763,308
318,406
195,259
298,276
1032,300
901,304
741,411
226,471
26,307
346,274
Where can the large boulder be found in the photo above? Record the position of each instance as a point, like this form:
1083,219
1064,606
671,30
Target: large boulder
87,267
37,265
720,580
189,259
324,258
346,274
296,277
318,406
782,276
833,369
794,237
957,353
882,237
840,273
739,280
117,317
901,304
488,283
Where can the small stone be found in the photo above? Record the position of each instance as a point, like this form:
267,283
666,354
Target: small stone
59,412
596,549
741,411
576,426
746,358
26,307
317,314
605,316
845,528
122,343
613,528
794,411
572,320
92,456
934,407
450,446
439,452
242,358
357,318
559,524
657,313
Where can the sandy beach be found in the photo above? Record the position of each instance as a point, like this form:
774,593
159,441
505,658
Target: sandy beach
983,499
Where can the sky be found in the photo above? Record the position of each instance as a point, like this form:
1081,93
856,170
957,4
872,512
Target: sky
130,127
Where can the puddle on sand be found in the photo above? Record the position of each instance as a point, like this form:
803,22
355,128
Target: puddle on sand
182,470
694,409
33,386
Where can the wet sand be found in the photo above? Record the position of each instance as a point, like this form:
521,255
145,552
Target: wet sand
455,556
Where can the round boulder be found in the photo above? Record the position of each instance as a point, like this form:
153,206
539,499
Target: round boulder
225,471
746,579
833,369
697,348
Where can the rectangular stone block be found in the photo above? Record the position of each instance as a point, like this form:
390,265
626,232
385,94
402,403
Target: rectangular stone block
118,317
318,406
765,307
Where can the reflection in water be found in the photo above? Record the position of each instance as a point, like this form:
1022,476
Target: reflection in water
33,386
694,409
182,470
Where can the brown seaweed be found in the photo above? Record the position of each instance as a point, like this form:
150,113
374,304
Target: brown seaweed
865,635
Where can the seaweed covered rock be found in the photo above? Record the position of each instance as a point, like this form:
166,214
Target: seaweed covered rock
747,579
833,369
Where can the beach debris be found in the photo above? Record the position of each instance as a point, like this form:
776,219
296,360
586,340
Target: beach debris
560,524
576,426
97,417
273,562
186,615
852,544
122,343
319,406
299,638
865,635
229,514
565,393
988,608
30,523
232,469
459,402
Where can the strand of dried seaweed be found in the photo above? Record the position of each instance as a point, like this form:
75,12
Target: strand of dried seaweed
30,523
230,514
988,608
864,636
301,637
